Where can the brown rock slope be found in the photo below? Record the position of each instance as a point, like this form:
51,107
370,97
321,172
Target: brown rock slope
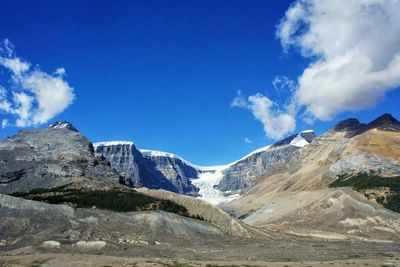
299,200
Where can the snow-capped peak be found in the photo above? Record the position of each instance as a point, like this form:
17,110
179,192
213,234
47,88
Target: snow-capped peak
63,125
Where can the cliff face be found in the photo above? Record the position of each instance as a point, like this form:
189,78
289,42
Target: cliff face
123,157
176,170
244,173
49,157
141,170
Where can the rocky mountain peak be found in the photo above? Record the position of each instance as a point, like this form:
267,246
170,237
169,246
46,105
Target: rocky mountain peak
348,124
386,122
63,125
350,127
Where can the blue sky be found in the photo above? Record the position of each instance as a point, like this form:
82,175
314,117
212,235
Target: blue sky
164,73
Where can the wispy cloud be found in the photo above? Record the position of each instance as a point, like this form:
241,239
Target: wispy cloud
247,140
239,101
36,96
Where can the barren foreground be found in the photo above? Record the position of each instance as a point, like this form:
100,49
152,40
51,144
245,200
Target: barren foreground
271,256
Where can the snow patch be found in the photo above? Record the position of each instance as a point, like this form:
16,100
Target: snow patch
155,153
59,125
113,143
299,140
262,149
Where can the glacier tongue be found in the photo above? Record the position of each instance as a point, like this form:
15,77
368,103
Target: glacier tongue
207,180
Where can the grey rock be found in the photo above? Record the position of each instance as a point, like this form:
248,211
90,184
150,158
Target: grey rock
49,157
91,245
20,217
137,170
365,163
165,222
350,127
246,172
176,170
51,244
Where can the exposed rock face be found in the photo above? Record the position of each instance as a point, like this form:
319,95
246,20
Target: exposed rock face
352,127
49,157
123,157
151,172
175,169
247,171
244,173
349,127
365,163
385,122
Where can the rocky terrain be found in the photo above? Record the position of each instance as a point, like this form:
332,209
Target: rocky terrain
304,201
49,157
300,200
58,234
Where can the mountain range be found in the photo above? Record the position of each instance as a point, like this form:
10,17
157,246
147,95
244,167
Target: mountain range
341,186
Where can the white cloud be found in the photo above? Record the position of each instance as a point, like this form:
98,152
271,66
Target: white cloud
4,123
16,65
36,95
23,105
5,106
354,46
247,140
60,71
52,94
277,122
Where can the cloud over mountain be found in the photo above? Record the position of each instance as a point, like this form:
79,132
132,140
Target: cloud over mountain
354,48
277,122
34,96
354,52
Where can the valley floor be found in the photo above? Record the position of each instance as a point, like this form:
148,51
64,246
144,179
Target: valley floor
362,254
212,252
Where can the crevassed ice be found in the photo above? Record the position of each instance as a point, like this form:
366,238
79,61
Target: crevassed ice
206,181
